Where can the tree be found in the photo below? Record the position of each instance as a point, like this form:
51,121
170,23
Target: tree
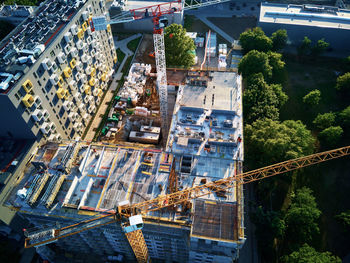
307,254
277,64
331,135
279,39
320,47
255,62
343,82
323,121
313,97
305,47
269,225
344,116
255,39
178,46
344,218
261,100
269,141
302,216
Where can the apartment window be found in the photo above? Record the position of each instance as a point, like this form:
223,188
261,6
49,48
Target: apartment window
54,110
17,96
67,124
52,53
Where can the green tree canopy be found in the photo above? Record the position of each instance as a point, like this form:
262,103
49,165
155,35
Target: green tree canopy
323,121
302,217
178,46
307,254
344,218
343,82
277,64
279,39
313,97
255,39
269,141
331,135
255,62
305,47
261,100
320,47
344,116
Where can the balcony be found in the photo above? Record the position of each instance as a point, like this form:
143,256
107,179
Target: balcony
74,29
67,49
72,116
68,37
37,115
87,89
62,58
88,70
74,52
52,127
84,58
109,28
28,86
84,26
79,65
62,93
72,63
37,101
45,128
80,33
28,100
93,72
67,72
80,45
47,64
89,40
73,84
92,81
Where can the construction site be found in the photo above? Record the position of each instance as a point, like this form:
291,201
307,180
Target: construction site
72,181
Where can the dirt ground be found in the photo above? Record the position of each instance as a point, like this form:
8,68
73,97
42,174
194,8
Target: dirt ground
234,26
146,47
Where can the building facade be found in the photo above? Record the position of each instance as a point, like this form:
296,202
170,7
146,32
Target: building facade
54,68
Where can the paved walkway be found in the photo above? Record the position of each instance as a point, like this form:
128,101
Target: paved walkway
116,77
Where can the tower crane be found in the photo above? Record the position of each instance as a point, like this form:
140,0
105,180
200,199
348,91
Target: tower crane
130,215
157,14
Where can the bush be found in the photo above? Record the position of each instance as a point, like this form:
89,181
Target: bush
279,39
344,116
313,97
255,39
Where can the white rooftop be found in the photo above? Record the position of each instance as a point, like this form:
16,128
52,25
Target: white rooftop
306,15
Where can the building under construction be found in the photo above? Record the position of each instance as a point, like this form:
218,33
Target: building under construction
74,181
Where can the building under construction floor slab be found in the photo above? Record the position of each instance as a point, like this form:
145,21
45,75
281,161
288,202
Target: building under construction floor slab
73,181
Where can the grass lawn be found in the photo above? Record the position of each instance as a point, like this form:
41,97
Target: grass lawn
120,56
132,45
329,181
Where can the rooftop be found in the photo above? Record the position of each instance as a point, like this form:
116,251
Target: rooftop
92,178
207,119
306,15
24,45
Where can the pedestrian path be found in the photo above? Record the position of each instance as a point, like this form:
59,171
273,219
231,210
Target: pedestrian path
122,44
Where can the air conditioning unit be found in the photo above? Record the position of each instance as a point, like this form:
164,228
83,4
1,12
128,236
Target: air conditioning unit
71,116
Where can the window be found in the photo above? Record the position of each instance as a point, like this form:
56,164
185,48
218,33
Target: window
39,83
35,75
67,124
52,53
17,96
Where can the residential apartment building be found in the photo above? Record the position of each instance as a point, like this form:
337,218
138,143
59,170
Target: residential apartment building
54,68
